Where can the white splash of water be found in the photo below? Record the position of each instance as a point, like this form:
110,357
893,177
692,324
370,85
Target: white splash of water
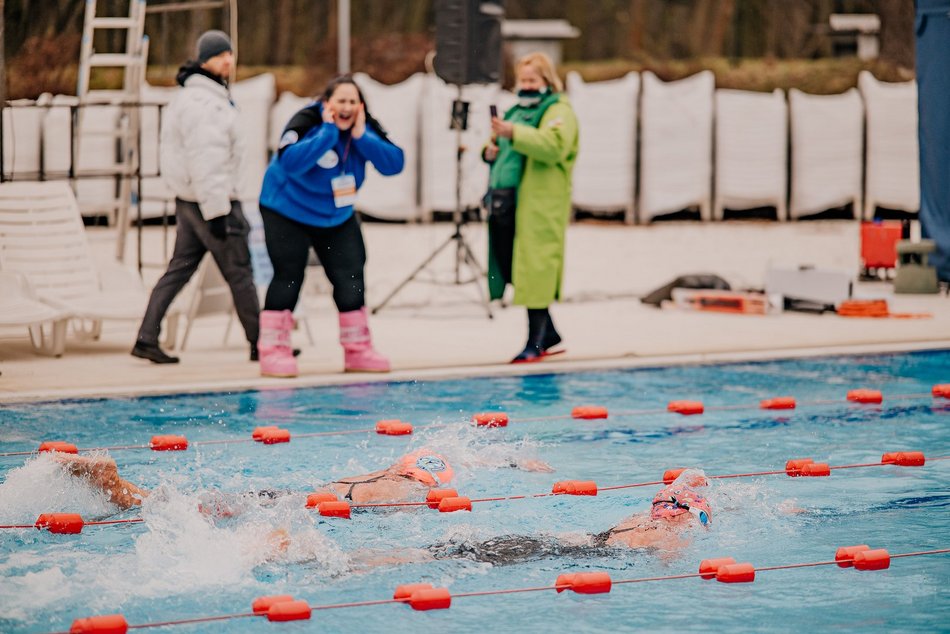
41,485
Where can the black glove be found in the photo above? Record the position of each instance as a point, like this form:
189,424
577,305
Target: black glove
219,227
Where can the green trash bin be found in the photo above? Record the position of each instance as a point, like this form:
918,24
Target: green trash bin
915,274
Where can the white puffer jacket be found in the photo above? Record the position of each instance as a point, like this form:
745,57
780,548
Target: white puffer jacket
201,147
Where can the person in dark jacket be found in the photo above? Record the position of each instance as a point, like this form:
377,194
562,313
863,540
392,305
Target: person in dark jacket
307,202
202,151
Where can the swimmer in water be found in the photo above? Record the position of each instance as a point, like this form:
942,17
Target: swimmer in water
408,479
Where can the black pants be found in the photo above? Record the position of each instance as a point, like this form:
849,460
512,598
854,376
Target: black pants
341,252
193,239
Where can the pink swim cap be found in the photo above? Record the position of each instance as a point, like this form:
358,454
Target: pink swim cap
427,467
677,499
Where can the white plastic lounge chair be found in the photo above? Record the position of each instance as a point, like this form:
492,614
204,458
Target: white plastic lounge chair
20,308
42,237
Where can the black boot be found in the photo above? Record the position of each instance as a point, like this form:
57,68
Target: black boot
551,336
537,328
152,352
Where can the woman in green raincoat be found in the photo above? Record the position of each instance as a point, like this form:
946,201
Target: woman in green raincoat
532,153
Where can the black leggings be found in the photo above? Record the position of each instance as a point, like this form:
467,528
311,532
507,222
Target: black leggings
341,252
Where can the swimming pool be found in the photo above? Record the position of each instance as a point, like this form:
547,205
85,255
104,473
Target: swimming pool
178,564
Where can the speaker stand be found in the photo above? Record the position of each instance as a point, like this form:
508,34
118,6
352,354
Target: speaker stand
464,256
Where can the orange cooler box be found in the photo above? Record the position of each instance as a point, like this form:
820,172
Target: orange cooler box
879,244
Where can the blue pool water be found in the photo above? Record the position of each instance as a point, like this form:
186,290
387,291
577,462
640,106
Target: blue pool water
179,564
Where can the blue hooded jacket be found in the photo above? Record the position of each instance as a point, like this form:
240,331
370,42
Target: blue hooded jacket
311,154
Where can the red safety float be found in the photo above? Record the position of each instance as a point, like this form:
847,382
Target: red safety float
314,499
452,504
261,605
709,567
779,402
393,428
905,458
274,436
589,412
58,445
105,624
298,610
736,573
941,390
334,508
865,396
794,467
816,469
575,487
490,419
845,555
431,599
258,433
404,592
671,474
60,523
686,408
878,559
168,442
435,496
584,582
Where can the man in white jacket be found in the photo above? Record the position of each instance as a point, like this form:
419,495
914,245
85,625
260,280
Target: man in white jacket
201,155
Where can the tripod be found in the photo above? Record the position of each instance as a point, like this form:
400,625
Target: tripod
464,256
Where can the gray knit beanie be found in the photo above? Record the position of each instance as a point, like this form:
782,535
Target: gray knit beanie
212,43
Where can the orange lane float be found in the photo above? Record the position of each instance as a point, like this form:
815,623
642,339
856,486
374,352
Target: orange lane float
452,504
274,435
575,487
168,442
315,499
878,559
779,402
105,624
686,408
261,605
584,582
794,467
393,428
815,470
435,496
709,567
258,433
58,445
431,599
589,412
905,458
297,610
941,390
490,419
736,573
334,508
404,592
845,555
60,523
865,396
671,474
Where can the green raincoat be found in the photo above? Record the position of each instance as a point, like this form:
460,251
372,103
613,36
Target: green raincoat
543,207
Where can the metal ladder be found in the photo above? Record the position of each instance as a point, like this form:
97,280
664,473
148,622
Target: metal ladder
132,62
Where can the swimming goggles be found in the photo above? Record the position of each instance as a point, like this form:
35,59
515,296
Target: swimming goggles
702,515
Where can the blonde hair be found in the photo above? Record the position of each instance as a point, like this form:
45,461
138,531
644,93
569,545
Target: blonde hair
543,65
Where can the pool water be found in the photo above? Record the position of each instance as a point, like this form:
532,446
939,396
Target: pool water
180,564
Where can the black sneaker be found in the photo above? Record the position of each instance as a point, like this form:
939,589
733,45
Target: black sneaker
255,355
152,352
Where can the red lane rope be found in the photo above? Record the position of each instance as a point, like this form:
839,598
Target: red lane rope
533,419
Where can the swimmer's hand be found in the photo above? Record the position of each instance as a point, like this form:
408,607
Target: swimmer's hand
535,466
364,560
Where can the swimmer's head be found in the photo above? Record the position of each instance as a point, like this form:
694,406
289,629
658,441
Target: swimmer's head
677,499
427,467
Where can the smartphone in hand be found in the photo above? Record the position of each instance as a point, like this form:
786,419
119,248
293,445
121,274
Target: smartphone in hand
494,111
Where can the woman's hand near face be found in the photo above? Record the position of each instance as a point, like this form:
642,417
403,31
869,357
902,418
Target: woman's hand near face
328,115
359,126
502,128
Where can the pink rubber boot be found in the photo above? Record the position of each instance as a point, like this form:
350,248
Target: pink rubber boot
276,353
358,352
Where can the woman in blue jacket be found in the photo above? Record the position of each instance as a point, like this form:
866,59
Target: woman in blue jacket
307,201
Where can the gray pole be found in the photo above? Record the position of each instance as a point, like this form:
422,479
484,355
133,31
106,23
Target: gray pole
343,36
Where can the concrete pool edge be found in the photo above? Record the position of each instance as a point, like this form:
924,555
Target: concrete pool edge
473,371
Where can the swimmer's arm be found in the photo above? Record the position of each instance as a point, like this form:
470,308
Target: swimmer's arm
102,473
367,559
524,464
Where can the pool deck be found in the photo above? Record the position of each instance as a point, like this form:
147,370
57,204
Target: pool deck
440,330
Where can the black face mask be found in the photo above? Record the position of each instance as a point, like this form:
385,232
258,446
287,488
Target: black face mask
530,98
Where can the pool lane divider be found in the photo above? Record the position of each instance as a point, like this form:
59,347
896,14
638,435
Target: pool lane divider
424,597
328,504
272,434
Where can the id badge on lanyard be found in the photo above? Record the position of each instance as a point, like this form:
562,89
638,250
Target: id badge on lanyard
344,185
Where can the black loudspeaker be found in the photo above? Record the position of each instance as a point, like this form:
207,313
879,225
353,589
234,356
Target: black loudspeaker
468,41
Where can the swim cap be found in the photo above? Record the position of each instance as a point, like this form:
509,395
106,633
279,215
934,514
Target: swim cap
677,499
427,467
